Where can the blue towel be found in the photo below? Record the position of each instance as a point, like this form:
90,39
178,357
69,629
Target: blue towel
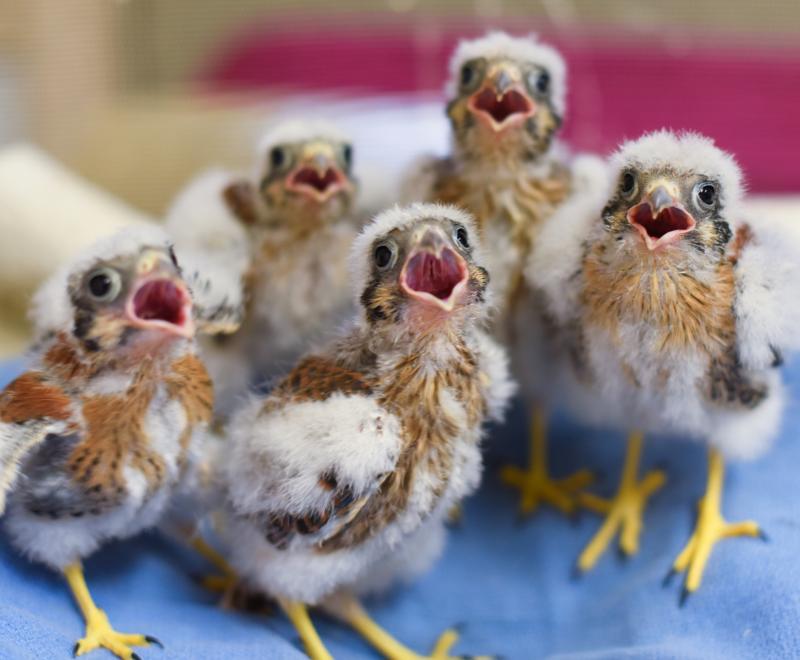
506,582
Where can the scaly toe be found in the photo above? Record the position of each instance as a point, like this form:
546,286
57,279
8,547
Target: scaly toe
117,643
536,488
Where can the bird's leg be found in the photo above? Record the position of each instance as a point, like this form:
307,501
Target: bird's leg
99,633
347,608
226,579
535,483
624,511
711,527
298,615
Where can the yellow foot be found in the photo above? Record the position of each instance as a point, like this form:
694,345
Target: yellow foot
535,484
711,528
623,513
537,487
100,634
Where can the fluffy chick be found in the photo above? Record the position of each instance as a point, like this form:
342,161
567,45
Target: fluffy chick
339,481
97,435
677,313
506,103
266,254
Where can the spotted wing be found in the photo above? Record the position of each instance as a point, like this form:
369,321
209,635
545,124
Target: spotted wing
313,453
767,307
30,410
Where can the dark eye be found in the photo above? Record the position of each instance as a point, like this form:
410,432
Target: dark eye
277,157
628,183
347,155
543,82
467,74
104,284
384,256
462,236
706,194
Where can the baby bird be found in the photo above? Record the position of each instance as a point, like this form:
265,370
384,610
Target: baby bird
96,436
506,103
268,252
339,481
677,312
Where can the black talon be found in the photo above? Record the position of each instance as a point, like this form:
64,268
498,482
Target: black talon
75,649
684,597
763,536
671,573
135,656
459,627
576,573
153,640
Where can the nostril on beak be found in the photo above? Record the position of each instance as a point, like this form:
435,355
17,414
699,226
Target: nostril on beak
659,199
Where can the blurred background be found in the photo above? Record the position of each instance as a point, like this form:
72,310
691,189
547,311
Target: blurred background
108,107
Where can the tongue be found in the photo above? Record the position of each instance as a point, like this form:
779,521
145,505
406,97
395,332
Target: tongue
159,300
436,276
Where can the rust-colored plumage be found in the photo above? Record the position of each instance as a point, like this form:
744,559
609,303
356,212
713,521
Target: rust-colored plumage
31,397
416,396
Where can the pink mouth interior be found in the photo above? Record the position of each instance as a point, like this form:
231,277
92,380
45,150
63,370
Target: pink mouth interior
510,103
425,273
669,219
160,300
310,177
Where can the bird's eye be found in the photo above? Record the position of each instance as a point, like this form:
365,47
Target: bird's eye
347,155
104,284
706,194
384,256
467,74
277,157
542,82
628,186
462,236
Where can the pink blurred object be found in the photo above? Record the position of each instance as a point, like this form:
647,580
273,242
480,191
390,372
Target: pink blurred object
745,95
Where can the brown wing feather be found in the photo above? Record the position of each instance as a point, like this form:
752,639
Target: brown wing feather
30,408
316,378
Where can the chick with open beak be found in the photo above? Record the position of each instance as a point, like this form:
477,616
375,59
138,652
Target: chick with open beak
266,254
97,435
338,482
679,309
506,103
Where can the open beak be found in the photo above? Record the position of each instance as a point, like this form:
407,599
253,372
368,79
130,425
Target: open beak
434,273
502,102
661,219
318,177
159,299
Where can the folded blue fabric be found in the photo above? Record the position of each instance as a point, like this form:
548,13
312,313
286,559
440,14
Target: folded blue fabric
506,582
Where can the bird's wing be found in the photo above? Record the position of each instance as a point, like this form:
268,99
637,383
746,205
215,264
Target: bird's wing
556,259
30,410
207,224
767,307
495,376
307,459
